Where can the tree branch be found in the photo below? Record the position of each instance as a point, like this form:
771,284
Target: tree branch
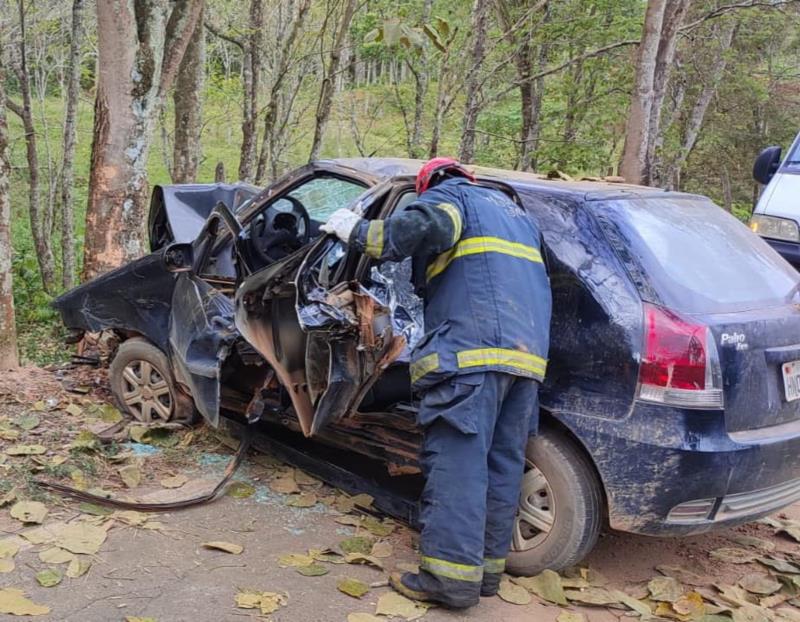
218,33
180,27
747,4
15,108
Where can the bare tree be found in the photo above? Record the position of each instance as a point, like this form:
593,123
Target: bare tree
8,332
472,104
140,47
654,61
328,86
251,74
282,66
41,220
70,133
187,97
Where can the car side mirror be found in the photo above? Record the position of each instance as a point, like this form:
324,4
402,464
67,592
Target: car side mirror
179,257
766,164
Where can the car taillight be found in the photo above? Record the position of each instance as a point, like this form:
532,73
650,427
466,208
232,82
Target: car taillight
680,364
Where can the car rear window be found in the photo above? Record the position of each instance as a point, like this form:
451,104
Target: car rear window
694,256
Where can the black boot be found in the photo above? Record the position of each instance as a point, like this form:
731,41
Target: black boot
410,586
490,583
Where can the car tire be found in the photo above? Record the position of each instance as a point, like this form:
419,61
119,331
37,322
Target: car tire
561,483
143,385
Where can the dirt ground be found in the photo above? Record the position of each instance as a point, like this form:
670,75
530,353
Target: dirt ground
155,567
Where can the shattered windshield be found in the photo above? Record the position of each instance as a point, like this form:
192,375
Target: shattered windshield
699,258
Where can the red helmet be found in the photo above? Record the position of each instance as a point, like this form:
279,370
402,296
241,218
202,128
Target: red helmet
439,165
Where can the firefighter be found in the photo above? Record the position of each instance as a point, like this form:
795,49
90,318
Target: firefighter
478,265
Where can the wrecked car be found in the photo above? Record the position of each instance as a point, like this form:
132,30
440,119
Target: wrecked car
671,404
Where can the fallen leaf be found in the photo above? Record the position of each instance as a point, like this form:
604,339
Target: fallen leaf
347,519
683,575
665,589
360,558
85,440
267,602
760,583
56,555
591,596
29,511
691,605
13,601
352,587
376,527
131,475
228,547
74,410
132,517
546,585
751,613
643,609
94,509
392,604
570,616
293,560
382,550
312,570
781,565
732,555
81,538
27,422
9,547
78,567
49,578
284,485
139,619
304,479
26,450
138,433
303,500
240,490
176,481
356,544
513,593
7,498
733,595
6,566
757,543
344,504
363,617
362,500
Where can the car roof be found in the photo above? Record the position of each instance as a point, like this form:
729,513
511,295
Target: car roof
587,189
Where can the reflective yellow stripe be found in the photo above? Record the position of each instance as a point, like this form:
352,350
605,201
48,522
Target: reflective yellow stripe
374,246
459,572
474,246
455,216
423,366
494,566
501,356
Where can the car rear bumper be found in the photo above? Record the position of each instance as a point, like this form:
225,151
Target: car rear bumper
668,471
790,251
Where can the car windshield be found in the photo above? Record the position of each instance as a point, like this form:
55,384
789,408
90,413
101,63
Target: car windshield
792,161
697,257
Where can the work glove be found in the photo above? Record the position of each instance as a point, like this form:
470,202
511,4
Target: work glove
341,223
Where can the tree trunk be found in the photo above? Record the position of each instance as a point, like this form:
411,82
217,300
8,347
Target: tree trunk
697,116
188,99
421,81
40,226
472,106
9,358
673,18
282,67
328,80
251,74
70,134
634,154
140,47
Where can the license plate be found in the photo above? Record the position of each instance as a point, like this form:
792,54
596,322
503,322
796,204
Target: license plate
791,380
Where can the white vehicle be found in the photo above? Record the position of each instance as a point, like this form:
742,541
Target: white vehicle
776,217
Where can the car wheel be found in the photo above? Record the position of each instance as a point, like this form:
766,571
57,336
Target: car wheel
560,510
143,385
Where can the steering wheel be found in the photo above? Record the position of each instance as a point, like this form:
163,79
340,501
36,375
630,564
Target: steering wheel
280,230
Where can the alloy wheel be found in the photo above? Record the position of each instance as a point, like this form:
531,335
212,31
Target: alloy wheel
146,392
536,511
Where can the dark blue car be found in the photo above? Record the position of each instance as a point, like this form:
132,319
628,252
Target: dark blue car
672,399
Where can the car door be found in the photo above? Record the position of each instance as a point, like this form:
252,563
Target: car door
326,337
